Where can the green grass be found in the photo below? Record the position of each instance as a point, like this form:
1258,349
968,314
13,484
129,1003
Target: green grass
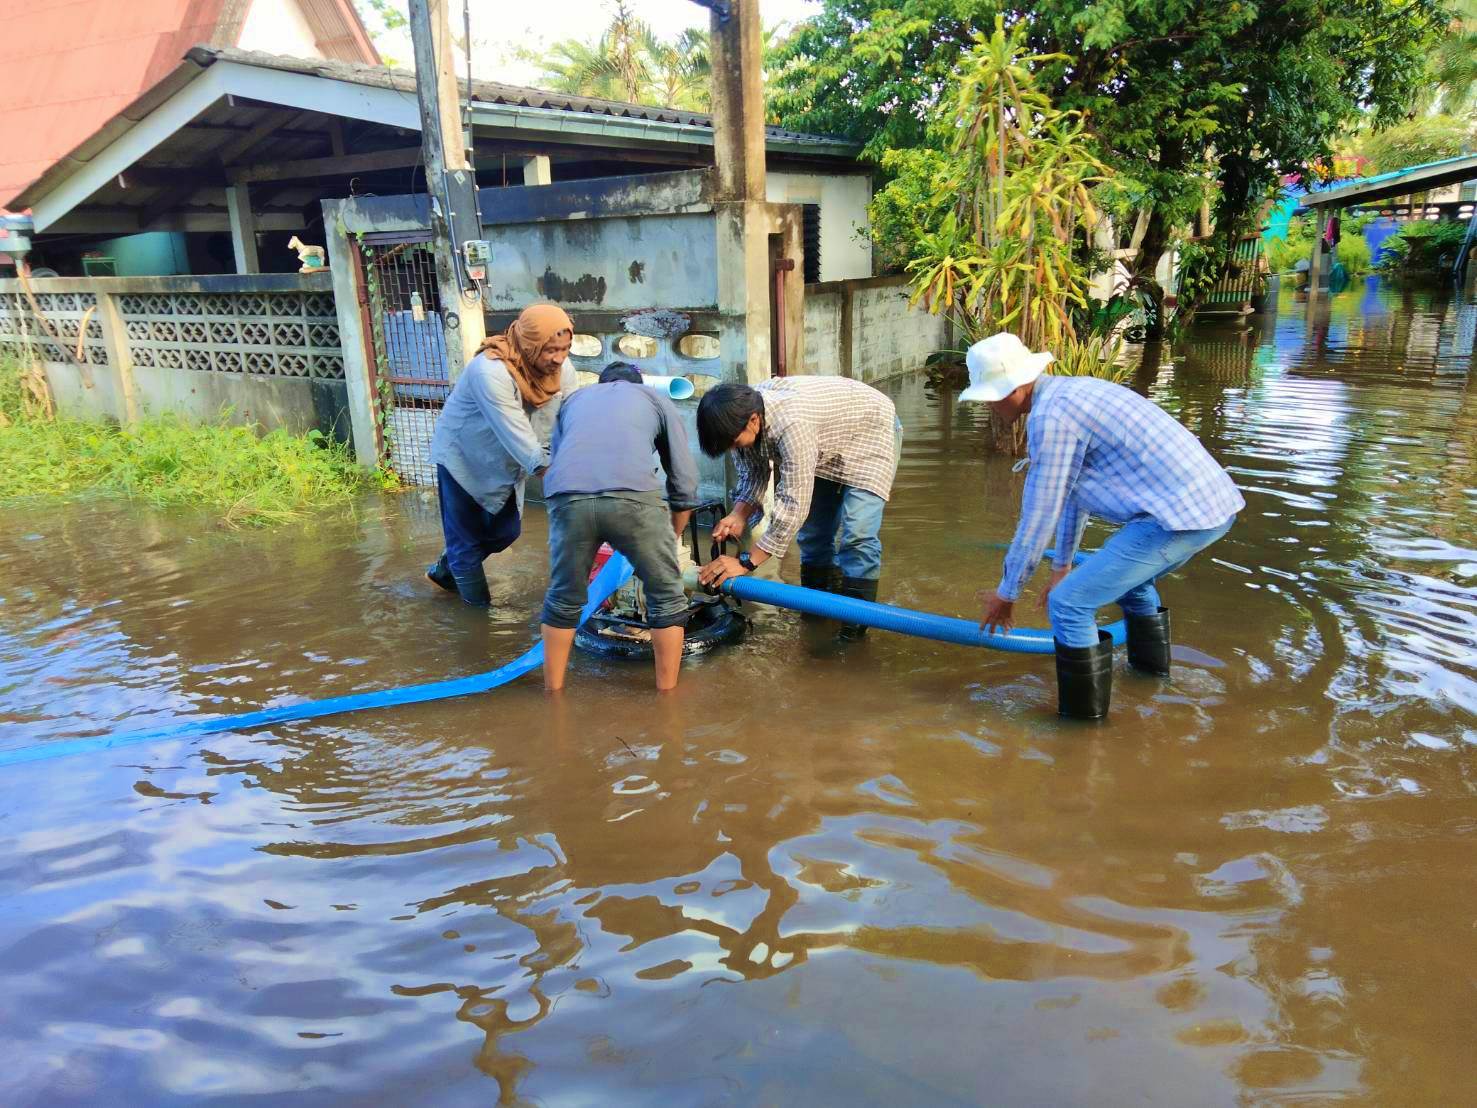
246,478
1354,252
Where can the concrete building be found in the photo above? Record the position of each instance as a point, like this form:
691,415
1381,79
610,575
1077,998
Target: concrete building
71,65
634,218
235,150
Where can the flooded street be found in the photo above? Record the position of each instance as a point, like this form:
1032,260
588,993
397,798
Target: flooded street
888,877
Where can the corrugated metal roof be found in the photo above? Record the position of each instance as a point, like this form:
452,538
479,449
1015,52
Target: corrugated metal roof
492,92
72,65
1428,175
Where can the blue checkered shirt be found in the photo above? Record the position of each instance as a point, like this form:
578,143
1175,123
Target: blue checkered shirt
1099,449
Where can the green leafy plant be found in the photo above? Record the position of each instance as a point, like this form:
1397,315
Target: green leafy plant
1283,254
246,478
1015,196
1426,138
1194,102
1354,253
1423,247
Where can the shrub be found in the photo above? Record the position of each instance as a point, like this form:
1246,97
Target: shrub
1423,246
1284,254
249,479
1354,253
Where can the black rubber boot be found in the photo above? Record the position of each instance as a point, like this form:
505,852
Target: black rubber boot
822,578
473,589
1148,642
1084,678
862,588
440,575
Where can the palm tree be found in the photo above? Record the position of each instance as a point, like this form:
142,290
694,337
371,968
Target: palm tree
1454,61
631,62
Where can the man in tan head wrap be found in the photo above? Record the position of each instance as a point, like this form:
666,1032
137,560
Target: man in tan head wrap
492,433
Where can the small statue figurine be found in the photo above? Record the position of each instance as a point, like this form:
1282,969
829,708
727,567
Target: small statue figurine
314,258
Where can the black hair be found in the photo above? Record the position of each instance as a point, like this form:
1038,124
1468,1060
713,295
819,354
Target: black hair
722,415
620,371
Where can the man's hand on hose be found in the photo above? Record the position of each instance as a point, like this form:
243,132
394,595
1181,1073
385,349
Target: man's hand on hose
997,613
721,569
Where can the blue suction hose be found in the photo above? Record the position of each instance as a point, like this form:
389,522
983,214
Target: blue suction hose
886,617
615,573
905,621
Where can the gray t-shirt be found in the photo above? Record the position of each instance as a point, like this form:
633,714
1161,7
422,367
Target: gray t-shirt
604,441
488,438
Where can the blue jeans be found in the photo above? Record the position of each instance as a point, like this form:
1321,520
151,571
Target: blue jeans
1123,569
842,529
470,530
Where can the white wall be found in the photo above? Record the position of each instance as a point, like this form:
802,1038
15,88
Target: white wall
278,27
845,253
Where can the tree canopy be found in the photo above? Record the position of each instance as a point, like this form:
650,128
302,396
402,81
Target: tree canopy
1426,138
1189,101
630,61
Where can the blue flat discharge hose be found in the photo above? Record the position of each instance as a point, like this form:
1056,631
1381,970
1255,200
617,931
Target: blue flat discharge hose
615,573
886,617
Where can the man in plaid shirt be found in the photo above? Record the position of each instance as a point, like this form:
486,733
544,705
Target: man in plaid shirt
1096,448
832,446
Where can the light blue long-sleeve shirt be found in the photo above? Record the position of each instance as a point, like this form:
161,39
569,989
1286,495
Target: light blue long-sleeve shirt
488,438
1099,449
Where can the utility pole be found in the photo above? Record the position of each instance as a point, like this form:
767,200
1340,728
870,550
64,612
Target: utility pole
738,98
760,314
450,180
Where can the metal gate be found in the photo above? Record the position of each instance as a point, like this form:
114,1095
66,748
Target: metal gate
1241,282
412,376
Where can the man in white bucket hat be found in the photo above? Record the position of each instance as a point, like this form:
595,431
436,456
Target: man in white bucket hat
1098,449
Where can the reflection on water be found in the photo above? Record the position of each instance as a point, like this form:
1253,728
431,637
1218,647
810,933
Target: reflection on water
889,878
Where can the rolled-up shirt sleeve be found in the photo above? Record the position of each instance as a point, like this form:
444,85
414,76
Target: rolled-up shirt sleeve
1056,459
798,449
754,468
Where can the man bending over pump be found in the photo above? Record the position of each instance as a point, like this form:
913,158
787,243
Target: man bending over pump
602,486
832,444
1097,448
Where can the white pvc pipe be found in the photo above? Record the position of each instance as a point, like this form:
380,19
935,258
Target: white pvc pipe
678,388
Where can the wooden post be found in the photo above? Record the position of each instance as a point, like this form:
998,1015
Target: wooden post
1315,263
450,179
120,355
243,227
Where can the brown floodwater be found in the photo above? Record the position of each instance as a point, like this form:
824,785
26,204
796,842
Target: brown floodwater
887,877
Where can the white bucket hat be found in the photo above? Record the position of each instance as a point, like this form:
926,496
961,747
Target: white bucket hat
1001,364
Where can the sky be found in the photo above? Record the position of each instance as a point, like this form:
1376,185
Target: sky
499,26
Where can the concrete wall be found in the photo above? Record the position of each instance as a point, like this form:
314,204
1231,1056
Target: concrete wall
846,245
865,329
258,350
626,263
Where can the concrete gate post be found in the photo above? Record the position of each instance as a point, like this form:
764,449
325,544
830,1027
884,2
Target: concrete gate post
349,296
